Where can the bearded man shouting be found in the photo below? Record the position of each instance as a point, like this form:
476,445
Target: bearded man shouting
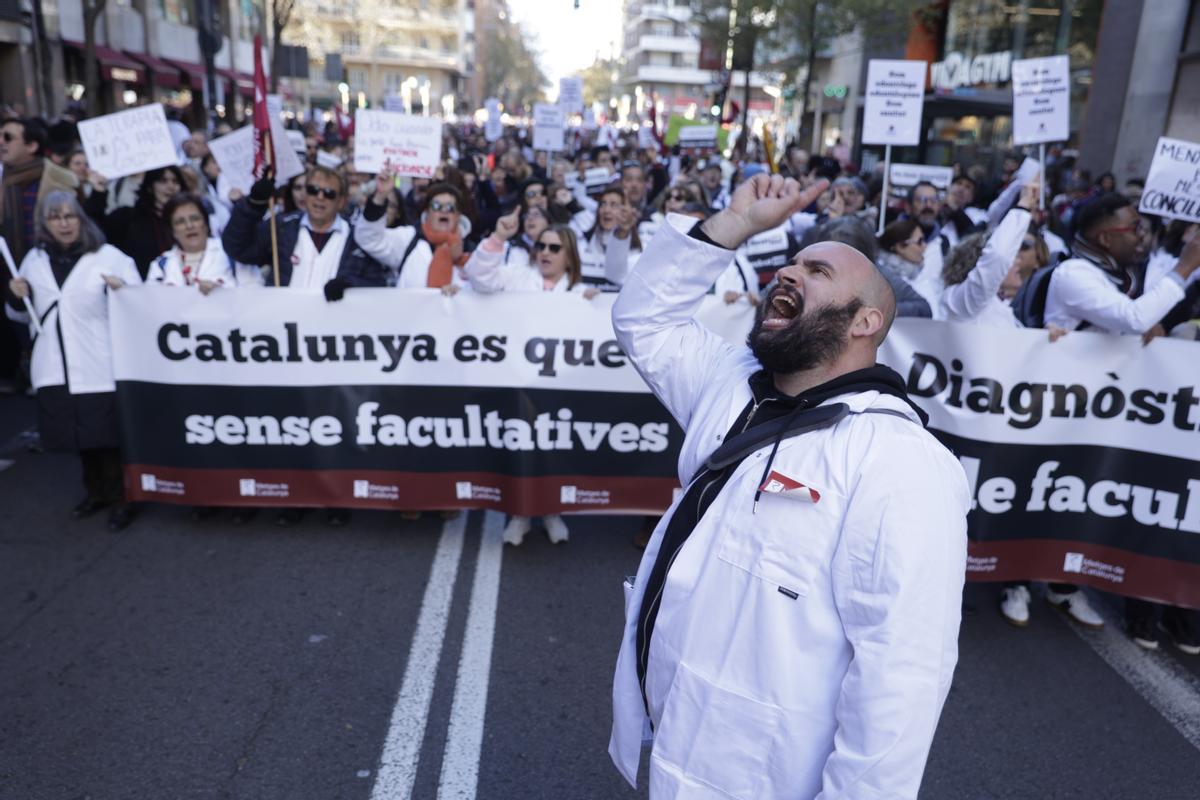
792,629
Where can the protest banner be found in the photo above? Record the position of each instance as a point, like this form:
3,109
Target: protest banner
1077,475
1041,100
493,128
548,123
128,142
234,154
677,124
906,175
570,94
1173,184
894,95
525,403
410,145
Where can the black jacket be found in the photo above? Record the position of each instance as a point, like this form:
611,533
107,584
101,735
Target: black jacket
247,238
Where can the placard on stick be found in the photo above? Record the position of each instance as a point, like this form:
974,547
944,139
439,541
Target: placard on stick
411,145
234,154
1173,184
494,127
904,176
128,142
570,94
1041,100
548,122
895,93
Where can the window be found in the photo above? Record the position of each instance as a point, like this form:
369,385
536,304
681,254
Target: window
357,78
392,81
350,43
176,11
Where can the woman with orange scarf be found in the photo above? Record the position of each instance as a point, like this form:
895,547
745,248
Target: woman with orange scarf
430,255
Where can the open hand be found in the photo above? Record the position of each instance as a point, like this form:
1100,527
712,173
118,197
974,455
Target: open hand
384,182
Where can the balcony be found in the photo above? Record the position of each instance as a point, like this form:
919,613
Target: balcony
649,73
395,55
666,44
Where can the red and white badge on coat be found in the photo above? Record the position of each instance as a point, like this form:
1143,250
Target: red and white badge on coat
778,483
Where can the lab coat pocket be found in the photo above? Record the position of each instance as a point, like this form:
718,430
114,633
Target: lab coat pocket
715,739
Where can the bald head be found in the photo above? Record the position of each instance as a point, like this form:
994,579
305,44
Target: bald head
851,276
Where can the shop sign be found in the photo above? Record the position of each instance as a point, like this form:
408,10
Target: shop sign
122,74
959,70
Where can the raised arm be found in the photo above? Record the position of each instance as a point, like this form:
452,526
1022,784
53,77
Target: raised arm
967,299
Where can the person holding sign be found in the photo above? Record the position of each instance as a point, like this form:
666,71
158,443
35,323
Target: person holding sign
429,255
140,231
792,629
612,246
67,276
198,259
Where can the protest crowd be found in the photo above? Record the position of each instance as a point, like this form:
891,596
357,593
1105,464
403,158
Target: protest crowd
1054,248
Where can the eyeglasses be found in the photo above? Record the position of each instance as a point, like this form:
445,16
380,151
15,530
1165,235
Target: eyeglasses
686,198
553,248
1141,227
534,192
445,208
925,201
68,217
328,194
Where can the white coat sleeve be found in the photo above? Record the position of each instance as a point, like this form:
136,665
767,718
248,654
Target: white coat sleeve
966,300
484,270
1088,295
898,580
616,260
653,316
1003,202
385,245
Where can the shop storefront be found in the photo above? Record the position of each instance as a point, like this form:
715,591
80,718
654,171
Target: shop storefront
124,82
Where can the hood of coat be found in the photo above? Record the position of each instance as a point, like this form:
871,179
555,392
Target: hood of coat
882,380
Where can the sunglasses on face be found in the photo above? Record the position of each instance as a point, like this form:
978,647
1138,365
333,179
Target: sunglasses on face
530,194
328,194
553,248
445,208
680,196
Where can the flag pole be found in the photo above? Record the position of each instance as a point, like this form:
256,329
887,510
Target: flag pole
271,212
883,199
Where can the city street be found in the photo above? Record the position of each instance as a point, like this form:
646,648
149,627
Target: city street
186,659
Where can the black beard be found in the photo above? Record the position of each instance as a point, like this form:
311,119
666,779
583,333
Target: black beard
810,339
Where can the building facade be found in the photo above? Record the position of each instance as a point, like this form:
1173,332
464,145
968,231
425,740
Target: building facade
415,54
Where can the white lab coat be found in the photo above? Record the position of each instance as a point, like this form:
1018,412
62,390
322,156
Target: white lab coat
977,298
753,694
929,283
215,266
74,319
1080,291
486,272
388,246
607,258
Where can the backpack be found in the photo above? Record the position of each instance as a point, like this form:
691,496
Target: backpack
1029,305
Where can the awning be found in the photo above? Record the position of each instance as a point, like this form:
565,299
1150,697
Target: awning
242,83
164,74
114,66
193,73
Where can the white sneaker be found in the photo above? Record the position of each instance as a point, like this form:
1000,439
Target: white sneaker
1076,606
556,529
1014,605
515,530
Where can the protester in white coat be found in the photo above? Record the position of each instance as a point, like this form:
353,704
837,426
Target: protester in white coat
556,268
784,665
198,258
67,278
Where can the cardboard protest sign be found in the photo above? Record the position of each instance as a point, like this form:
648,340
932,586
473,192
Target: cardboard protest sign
1041,100
234,154
393,102
1173,184
895,93
287,165
493,129
128,142
905,176
595,179
646,138
548,122
329,160
411,145
570,95
697,139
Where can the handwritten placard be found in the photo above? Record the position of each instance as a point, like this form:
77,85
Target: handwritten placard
548,121
287,164
1041,100
411,145
234,154
1173,184
128,142
570,95
494,127
895,93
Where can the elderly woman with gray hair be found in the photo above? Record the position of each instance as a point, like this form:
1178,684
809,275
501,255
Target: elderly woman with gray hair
67,278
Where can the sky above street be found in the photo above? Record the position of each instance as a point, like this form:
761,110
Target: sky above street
569,38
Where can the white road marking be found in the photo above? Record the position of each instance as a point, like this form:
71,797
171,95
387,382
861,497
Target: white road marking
1171,689
464,740
402,747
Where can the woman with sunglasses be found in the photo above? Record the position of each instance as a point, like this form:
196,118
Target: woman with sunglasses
557,269
67,279
197,258
428,255
139,231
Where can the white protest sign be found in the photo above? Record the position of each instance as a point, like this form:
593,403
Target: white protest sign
895,92
411,145
904,175
596,179
493,129
328,160
234,154
646,138
698,137
548,121
393,102
570,95
589,119
128,142
1173,184
296,141
287,165
1041,100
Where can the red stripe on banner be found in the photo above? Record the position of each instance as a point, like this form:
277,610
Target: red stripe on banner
1110,569
401,491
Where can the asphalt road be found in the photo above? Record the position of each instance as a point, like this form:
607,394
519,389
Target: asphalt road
184,659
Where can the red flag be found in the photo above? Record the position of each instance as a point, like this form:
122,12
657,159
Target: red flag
264,148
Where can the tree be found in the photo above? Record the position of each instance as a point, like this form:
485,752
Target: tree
281,14
598,81
511,72
92,9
